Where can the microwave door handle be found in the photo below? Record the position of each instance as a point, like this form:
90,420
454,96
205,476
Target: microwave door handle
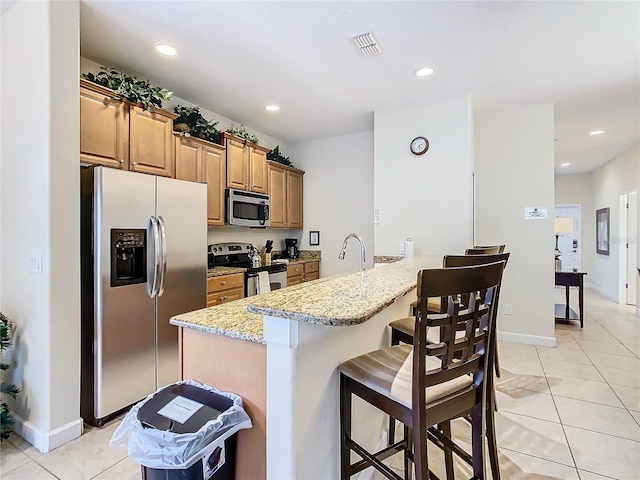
163,242
156,260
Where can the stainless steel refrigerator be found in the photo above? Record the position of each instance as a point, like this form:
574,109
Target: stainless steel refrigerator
144,260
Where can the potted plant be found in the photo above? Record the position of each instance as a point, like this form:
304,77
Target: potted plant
6,419
274,155
190,122
129,87
241,132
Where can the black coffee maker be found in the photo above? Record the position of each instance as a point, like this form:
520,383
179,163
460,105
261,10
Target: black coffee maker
291,248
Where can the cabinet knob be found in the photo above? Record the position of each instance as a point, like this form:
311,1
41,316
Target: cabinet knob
135,163
223,298
223,282
121,161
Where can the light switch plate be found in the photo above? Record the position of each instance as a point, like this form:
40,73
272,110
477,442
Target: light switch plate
376,215
401,248
35,263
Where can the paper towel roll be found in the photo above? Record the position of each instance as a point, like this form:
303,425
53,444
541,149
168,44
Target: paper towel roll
408,248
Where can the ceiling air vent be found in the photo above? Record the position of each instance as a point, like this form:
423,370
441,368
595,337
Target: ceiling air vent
367,44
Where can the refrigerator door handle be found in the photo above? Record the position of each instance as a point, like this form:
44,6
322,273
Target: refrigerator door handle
156,251
163,240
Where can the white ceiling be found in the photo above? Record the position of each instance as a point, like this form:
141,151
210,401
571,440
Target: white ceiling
237,56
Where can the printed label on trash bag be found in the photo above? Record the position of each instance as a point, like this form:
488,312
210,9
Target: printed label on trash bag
212,463
180,409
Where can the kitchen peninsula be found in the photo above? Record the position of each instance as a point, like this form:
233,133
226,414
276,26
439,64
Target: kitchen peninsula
280,350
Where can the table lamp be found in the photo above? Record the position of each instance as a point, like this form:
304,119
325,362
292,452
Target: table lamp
561,225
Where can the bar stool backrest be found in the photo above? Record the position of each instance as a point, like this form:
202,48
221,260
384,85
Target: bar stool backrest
484,249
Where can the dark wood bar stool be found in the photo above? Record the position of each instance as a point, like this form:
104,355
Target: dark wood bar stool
424,385
484,249
402,331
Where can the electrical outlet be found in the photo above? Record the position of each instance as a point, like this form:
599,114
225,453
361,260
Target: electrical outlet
35,263
401,248
508,309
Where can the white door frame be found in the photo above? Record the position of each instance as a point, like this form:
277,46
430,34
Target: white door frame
628,250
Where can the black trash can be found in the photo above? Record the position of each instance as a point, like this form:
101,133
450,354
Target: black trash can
196,447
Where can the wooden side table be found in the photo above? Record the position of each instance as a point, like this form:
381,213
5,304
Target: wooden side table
566,280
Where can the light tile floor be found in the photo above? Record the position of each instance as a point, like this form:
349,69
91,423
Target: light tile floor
571,412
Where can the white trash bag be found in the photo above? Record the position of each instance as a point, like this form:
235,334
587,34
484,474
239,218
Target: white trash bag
165,450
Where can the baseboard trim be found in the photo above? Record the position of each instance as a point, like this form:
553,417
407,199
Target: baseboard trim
527,339
45,442
604,293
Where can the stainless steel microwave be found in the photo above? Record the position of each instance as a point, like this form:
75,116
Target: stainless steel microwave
246,209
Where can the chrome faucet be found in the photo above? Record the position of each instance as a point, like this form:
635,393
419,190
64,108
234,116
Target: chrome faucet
344,248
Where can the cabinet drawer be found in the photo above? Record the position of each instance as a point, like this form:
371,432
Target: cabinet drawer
224,282
224,296
311,267
294,280
311,276
293,270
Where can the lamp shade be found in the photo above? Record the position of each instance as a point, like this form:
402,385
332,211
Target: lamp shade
563,225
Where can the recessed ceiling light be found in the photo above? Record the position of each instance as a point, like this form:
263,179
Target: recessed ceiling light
424,72
166,50
597,132
564,165
272,108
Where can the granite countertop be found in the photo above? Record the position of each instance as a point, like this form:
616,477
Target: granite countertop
345,300
340,300
219,271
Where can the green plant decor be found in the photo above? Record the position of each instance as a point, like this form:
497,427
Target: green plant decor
274,155
6,419
191,122
129,87
241,132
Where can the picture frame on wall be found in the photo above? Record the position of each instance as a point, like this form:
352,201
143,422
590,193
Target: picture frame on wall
314,237
602,231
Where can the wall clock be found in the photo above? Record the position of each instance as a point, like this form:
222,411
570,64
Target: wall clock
419,145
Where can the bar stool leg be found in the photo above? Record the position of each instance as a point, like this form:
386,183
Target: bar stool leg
445,428
345,428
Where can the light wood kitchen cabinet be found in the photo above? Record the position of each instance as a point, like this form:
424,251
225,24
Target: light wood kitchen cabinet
151,141
311,271
246,165
285,194
295,274
225,288
104,127
118,134
201,161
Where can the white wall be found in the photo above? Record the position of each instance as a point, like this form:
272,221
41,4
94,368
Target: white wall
338,197
40,214
578,189
616,177
514,170
428,197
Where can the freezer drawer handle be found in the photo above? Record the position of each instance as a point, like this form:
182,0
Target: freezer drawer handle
156,251
163,239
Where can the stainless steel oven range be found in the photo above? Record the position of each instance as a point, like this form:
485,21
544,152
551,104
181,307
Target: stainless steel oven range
238,254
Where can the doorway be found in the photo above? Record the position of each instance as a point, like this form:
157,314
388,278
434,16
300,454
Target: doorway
570,244
628,247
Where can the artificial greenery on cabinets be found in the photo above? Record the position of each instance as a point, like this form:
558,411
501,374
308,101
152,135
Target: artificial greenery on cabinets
191,122
6,419
275,155
129,87
241,132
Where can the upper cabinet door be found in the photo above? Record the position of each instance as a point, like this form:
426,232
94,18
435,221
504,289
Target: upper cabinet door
215,176
258,167
104,128
151,141
188,159
277,196
294,199
237,165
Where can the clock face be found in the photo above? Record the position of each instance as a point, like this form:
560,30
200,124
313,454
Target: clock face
419,145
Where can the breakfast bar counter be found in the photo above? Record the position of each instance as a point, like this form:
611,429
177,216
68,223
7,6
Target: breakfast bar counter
280,351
